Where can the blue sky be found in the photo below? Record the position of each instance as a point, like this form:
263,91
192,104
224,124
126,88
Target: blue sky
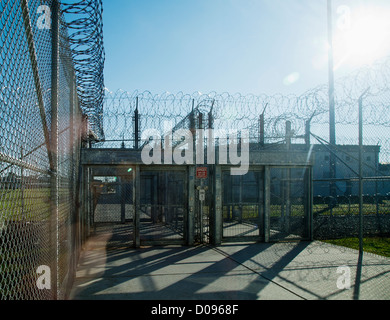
235,46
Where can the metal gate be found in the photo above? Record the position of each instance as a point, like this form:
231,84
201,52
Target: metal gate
143,205
156,213
113,204
163,206
243,206
267,204
290,203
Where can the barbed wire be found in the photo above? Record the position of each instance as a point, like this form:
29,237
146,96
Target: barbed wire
85,27
233,111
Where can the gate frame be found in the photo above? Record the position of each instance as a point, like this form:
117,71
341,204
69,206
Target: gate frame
261,236
188,218
216,224
270,158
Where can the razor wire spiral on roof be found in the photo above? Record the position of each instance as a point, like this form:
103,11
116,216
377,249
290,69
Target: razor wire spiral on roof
85,27
160,111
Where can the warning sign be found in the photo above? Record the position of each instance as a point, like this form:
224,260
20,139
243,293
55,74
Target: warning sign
201,173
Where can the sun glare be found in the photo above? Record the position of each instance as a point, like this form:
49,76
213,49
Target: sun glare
365,40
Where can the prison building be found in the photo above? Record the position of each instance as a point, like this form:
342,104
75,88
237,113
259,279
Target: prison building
346,169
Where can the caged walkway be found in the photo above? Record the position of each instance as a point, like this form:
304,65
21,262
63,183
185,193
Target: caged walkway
234,271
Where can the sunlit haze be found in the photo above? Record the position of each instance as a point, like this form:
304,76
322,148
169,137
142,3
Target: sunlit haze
245,46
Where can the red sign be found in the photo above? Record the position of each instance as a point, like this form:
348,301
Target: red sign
201,173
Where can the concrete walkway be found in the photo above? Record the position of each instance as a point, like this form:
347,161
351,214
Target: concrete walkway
281,271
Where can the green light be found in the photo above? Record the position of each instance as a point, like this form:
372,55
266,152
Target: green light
130,170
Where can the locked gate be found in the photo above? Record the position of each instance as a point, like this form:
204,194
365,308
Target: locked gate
267,204
163,206
243,206
134,205
127,213
290,204
112,199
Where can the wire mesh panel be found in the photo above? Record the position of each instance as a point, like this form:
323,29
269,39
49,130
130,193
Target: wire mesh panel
25,181
113,200
338,217
113,205
289,212
40,141
24,233
163,206
243,205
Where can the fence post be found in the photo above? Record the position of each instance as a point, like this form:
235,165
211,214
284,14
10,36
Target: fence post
287,185
218,208
37,81
137,208
262,127
122,188
332,121
267,203
307,133
136,126
360,175
191,206
261,124
361,171
54,145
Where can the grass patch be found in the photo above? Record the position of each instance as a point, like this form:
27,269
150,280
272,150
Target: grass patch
376,245
30,204
348,209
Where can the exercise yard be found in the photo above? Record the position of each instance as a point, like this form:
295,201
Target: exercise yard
234,271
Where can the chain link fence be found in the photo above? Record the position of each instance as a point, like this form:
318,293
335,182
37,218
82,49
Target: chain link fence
127,115
52,102
41,225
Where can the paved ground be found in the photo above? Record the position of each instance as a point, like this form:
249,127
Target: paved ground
282,271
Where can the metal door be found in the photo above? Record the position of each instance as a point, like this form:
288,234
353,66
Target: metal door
243,206
289,204
112,190
163,206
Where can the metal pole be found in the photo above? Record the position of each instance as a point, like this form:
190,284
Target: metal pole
332,117
22,184
37,81
286,222
360,175
262,127
218,221
201,221
267,203
331,76
136,126
361,171
191,206
122,186
136,239
54,143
